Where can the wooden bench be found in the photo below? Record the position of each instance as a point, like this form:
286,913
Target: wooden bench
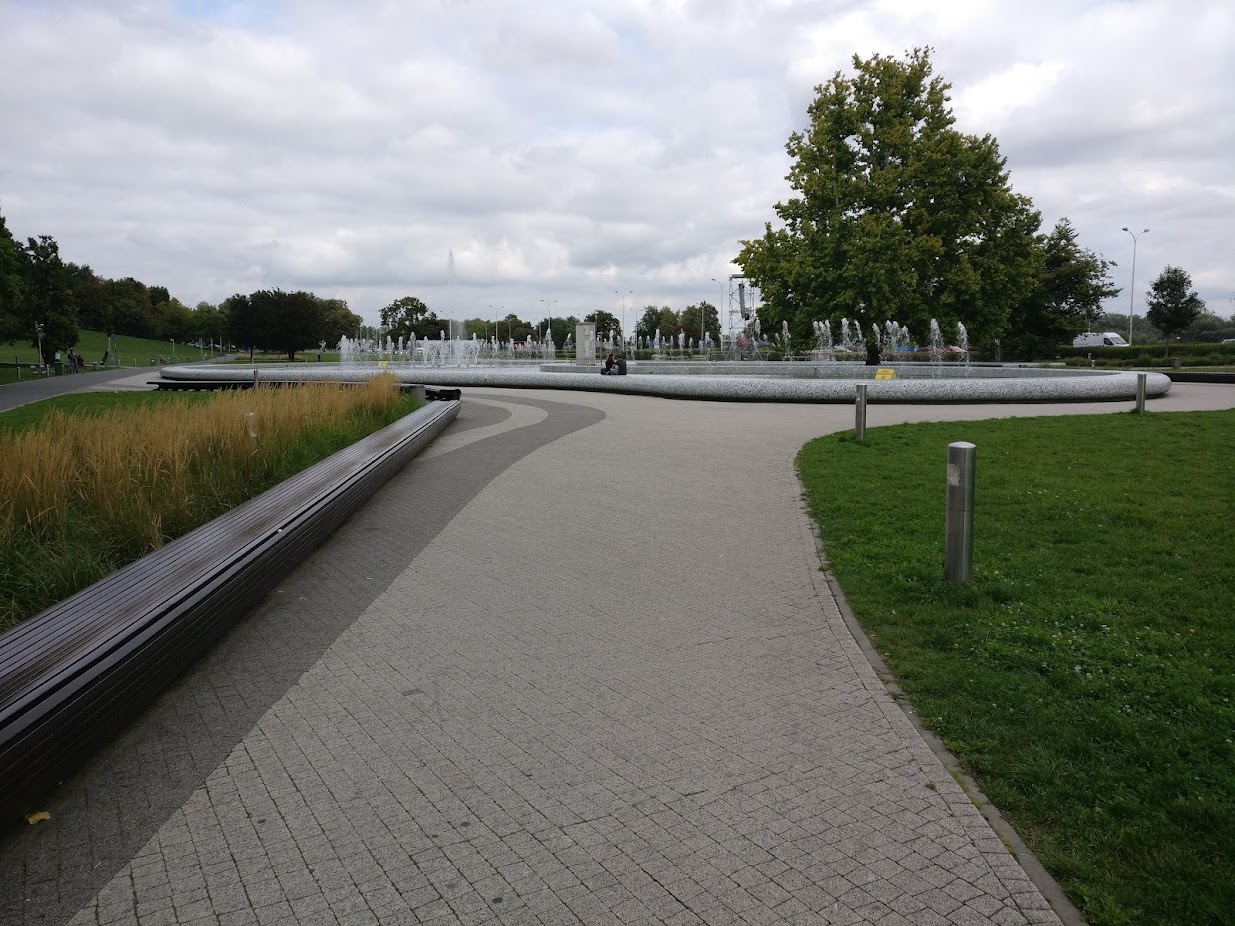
72,676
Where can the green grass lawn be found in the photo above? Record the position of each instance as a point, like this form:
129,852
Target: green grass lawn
133,352
1087,675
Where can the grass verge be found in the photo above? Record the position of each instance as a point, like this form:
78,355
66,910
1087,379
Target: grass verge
93,482
1086,677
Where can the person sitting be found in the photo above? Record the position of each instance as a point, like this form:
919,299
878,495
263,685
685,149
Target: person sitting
619,368
609,365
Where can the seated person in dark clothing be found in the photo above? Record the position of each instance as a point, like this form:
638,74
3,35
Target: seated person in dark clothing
619,368
610,363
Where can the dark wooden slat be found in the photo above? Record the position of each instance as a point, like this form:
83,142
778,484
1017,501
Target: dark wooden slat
72,676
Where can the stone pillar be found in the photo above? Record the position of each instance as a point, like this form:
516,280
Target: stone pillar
585,344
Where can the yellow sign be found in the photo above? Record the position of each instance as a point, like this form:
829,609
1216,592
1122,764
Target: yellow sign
381,364
885,373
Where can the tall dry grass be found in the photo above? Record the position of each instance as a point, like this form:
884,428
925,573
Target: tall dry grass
86,495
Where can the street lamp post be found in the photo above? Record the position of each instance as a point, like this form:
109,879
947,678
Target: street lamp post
629,292
550,303
496,309
721,305
38,331
1132,284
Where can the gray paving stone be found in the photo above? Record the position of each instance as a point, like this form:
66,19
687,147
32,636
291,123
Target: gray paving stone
595,720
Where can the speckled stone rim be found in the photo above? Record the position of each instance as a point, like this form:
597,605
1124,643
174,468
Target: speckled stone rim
749,382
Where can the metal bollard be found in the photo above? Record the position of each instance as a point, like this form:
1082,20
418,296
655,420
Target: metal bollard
958,526
859,416
255,376
1140,392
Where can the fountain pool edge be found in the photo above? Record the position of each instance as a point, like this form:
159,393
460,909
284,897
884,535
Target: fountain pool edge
1063,387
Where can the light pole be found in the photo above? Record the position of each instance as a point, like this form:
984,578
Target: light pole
38,331
629,292
496,309
550,303
1132,284
721,305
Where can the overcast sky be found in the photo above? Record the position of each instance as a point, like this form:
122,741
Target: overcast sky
571,150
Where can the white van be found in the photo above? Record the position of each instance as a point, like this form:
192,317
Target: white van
1104,339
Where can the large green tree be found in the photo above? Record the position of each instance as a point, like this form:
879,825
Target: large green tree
689,319
606,323
273,320
895,213
340,320
12,325
1172,303
47,299
1065,298
408,316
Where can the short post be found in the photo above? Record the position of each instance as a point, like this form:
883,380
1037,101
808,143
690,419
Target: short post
859,416
255,376
1140,392
958,528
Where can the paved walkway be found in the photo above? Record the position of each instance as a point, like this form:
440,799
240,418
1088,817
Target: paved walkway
577,664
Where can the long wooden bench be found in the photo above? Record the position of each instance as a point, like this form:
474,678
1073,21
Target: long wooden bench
74,675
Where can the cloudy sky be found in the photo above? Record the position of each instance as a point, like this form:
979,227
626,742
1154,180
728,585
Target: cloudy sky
571,151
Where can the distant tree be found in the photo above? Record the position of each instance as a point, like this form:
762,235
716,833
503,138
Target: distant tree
649,321
273,320
895,214
46,297
127,308
1173,303
159,295
1209,327
1065,298
605,323
408,316
340,320
688,320
667,321
174,321
209,323
12,316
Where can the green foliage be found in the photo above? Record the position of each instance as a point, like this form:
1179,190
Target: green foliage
605,323
1087,675
271,319
1065,299
46,297
1173,303
689,318
895,213
12,325
407,316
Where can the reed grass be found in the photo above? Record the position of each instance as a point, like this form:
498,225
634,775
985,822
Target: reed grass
90,493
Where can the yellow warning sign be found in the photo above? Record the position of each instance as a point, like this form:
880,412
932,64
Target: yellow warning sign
885,373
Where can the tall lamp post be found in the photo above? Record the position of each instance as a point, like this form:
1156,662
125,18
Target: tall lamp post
496,309
721,305
629,292
38,331
550,303
1132,284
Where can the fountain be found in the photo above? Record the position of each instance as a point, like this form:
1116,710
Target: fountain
829,375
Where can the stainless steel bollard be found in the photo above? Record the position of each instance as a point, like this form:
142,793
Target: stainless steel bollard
1140,392
255,376
958,525
859,416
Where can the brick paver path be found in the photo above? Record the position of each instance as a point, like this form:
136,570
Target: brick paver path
576,665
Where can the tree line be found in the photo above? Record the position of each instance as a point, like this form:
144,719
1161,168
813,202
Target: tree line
897,215
409,316
40,289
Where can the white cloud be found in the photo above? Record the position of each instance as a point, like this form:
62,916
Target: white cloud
567,150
